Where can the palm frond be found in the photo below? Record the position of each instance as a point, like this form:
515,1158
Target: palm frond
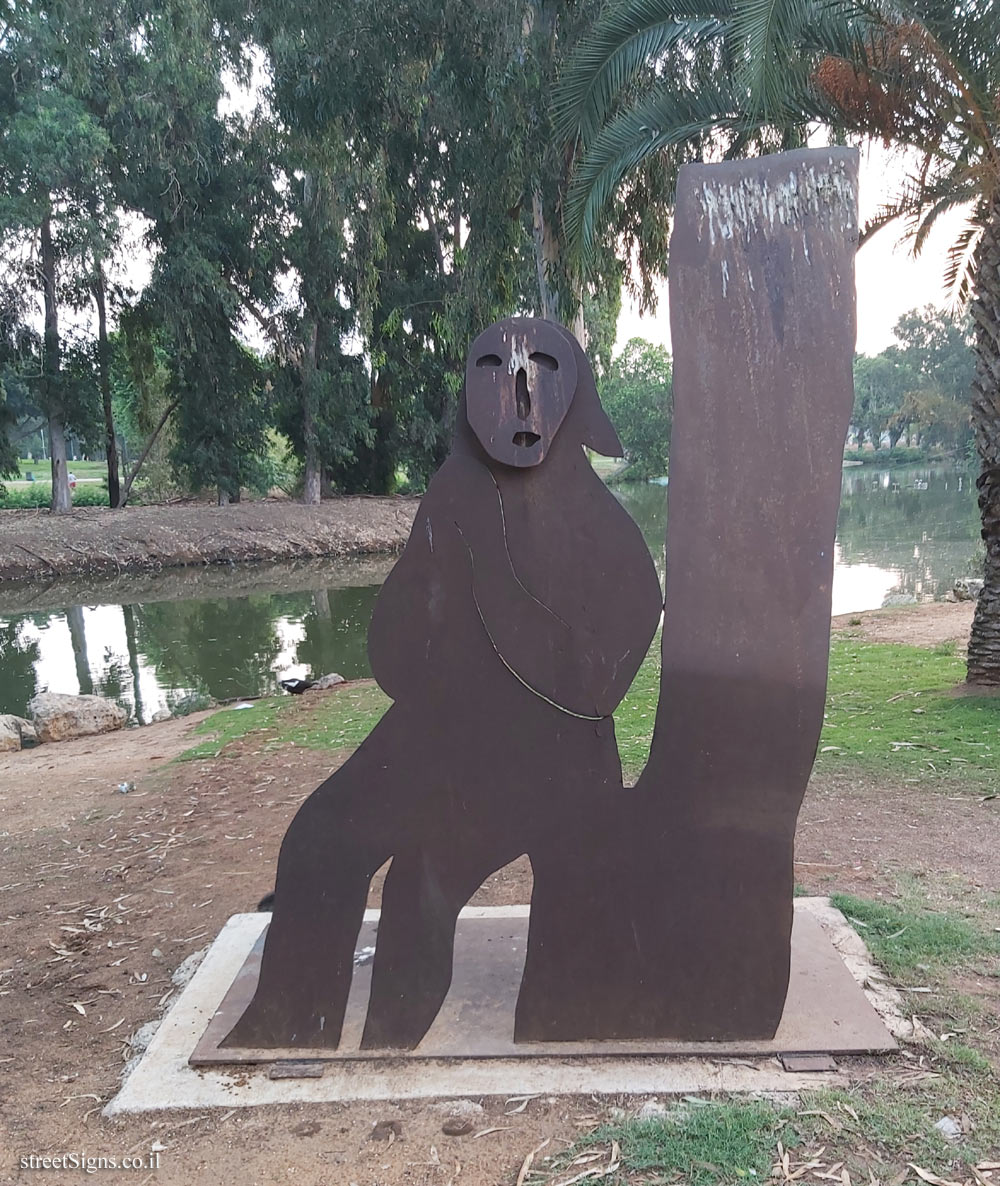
767,32
959,273
671,116
624,41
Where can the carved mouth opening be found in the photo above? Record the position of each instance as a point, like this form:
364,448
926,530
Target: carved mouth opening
524,440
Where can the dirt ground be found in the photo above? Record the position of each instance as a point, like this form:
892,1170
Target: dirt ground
104,894
35,545
916,625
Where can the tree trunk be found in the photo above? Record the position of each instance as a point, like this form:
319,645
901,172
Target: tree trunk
546,260
61,499
128,614
984,645
78,640
548,265
134,472
104,368
312,489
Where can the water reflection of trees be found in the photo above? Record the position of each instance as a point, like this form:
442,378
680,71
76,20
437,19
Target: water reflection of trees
646,502
18,656
225,647
927,534
220,649
336,628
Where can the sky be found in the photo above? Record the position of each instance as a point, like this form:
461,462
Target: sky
890,281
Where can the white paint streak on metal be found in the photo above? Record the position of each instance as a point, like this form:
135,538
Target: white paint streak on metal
750,205
518,356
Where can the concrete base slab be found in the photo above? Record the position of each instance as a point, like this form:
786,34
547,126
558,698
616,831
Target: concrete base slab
826,1010
163,1077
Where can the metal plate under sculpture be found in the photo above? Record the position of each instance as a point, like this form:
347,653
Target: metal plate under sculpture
519,613
506,635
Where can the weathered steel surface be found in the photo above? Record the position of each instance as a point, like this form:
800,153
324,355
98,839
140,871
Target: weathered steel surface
506,635
515,620
690,938
826,1009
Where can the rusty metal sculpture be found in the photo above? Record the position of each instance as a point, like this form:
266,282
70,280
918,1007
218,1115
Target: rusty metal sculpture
516,619
506,635
694,923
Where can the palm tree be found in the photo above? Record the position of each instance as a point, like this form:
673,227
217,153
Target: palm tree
702,78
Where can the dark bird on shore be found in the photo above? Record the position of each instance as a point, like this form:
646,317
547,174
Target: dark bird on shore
297,686
267,902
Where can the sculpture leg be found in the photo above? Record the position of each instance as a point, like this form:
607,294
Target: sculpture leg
423,894
339,838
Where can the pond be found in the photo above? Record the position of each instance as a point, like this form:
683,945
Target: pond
181,639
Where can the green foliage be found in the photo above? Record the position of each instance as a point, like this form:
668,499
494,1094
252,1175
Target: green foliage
39,494
341,719
920,387
637,395
705,1142
892,711
900,455
907,941
899,1124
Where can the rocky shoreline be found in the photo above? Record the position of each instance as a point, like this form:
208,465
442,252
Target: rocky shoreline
36,546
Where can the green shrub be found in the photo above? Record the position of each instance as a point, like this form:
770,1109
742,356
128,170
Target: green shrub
901,455
39,495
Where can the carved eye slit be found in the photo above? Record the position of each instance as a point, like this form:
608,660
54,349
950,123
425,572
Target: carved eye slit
545,361
489,360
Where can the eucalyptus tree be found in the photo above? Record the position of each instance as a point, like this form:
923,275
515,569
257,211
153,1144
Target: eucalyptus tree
432,125
204,188
721,76
53,182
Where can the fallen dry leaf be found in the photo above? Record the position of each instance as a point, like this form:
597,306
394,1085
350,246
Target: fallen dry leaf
528,1160
933,1179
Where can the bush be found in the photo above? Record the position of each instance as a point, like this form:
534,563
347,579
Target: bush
39,495
637,394
901,455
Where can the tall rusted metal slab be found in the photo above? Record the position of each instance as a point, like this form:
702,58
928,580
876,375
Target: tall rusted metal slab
697,865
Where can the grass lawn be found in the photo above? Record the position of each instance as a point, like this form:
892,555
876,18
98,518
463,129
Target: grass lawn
82,469
891,712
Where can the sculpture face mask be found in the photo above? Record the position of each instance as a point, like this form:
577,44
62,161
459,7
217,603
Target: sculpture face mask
519,383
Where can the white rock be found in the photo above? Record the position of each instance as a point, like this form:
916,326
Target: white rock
15,732
10,735
60,718
464,1108
652,1110
967,588
164,714
949,1128
330,680
184,971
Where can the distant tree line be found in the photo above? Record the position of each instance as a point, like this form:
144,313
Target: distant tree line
917,390
330,201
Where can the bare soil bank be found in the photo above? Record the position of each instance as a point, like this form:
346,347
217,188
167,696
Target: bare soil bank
35,545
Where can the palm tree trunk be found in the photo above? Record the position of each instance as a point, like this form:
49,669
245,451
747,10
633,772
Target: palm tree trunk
984,645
